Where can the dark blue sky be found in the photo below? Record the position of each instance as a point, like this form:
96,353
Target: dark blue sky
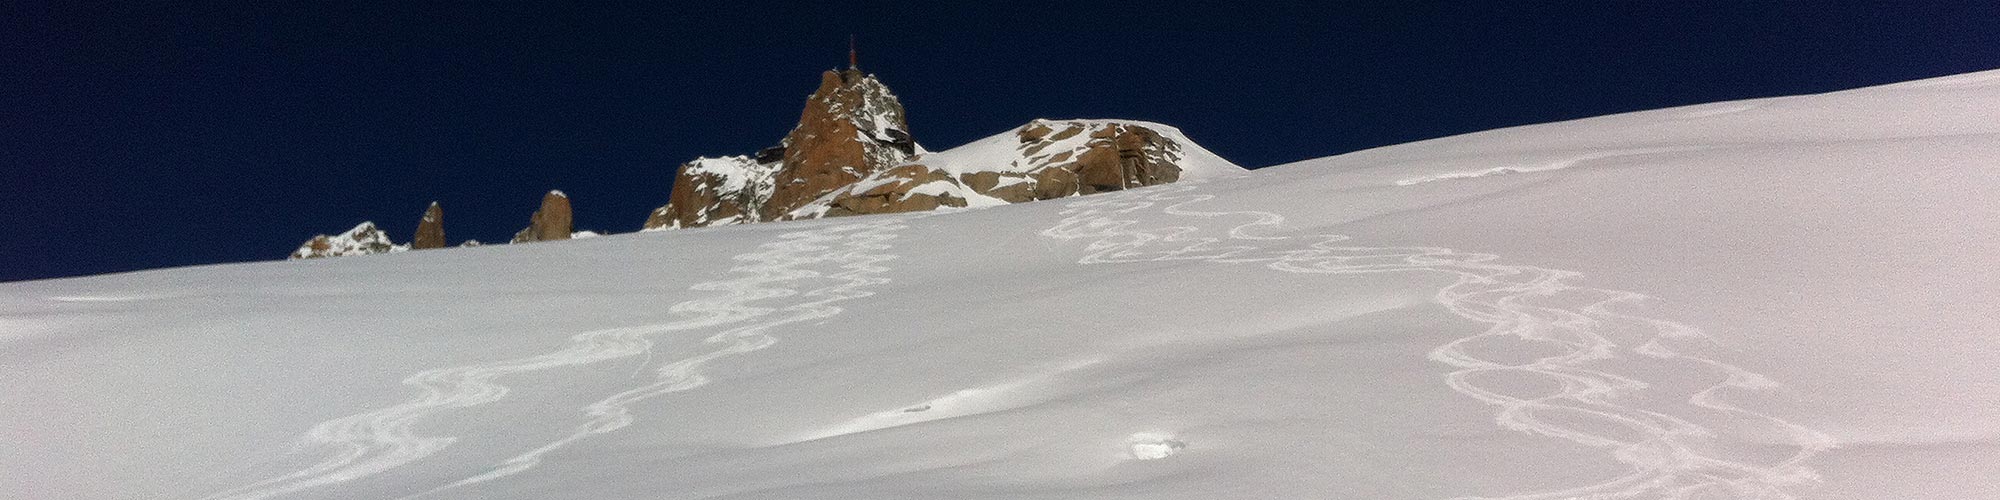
142,137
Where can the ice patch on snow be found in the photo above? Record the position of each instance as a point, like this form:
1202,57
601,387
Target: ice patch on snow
1154,446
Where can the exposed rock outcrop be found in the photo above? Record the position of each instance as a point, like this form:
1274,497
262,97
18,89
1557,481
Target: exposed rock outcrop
907,188
852,127
851,154
1118,156
364,239
551,222
430,230
717,191
1041,160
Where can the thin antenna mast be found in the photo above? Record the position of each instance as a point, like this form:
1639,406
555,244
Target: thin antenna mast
853,59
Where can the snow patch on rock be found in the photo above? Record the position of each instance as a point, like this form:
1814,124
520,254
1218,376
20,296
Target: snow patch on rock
363,239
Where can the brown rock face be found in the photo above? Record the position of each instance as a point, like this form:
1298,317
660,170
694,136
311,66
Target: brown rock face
852,127
318,247
430,231
550,223
364,239
1055,183
1052,160
902,192
1117,156
1011,188
851,154
716,191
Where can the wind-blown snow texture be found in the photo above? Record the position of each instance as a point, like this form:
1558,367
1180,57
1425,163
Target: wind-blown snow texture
1779,298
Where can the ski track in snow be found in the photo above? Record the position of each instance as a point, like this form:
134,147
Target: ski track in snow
372,442
862,252
1669,456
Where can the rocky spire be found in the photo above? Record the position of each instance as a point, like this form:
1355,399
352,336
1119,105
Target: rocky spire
852,126
430,231
550,223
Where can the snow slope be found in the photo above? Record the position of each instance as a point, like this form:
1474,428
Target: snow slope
1778,298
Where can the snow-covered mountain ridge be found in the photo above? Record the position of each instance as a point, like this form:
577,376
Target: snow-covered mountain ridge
1777,298
1043,160
363,239
852,154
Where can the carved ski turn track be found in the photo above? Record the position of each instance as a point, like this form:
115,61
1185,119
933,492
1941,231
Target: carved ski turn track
863,250
372,442
1669,455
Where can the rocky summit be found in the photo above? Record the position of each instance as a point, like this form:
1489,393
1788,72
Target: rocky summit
430,230
851,154
851,128
549,223
364,239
